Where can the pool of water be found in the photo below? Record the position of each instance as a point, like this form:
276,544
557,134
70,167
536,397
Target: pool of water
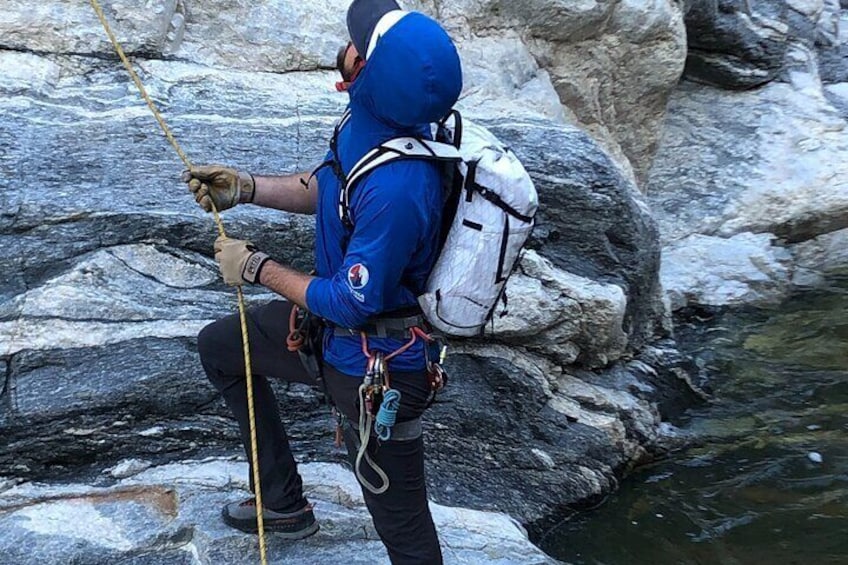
767,478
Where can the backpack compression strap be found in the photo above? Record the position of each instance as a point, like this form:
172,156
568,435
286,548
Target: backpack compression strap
393,150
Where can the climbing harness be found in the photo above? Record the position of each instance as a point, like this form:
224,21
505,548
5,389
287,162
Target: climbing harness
379,403
242,315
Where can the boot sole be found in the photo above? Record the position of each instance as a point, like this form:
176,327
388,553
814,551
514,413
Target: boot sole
279,530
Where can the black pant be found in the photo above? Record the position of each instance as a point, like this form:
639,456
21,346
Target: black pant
401,515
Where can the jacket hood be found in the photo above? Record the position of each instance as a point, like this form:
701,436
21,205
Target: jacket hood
412,77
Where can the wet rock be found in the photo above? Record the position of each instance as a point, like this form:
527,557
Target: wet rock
525,403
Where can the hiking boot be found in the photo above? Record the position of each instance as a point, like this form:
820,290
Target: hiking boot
291,525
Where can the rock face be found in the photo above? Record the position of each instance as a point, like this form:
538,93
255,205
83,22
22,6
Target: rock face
613,63
170,515
713,271
107,275
743,178
740,44
736,43
817,259
536,425
614,243
765,161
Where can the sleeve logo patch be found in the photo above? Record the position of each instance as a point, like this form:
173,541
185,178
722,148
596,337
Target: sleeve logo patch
357,276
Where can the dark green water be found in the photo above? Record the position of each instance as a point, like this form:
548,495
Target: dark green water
767,482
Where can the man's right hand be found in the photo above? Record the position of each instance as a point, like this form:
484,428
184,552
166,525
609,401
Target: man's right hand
222,186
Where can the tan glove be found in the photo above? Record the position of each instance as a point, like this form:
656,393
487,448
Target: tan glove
239,260
223,186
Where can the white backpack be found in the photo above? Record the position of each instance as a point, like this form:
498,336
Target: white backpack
490,205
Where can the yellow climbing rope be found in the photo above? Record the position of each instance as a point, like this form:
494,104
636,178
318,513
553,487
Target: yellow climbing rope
254,448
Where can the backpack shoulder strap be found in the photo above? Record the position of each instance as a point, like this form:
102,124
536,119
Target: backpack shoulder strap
450,128
392,150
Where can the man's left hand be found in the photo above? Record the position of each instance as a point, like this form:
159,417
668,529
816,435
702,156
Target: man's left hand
239,260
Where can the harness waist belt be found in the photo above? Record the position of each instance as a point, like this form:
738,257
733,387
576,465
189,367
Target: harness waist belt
402,431
396,328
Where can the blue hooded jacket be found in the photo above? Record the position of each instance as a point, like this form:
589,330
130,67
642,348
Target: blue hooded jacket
411,79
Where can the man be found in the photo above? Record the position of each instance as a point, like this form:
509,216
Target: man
402,72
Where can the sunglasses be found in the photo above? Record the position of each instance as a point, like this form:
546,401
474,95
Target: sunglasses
342,56
348,76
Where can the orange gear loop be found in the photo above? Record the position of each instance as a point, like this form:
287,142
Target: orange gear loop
296,337
415,334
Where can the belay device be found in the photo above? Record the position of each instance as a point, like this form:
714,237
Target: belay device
489,213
